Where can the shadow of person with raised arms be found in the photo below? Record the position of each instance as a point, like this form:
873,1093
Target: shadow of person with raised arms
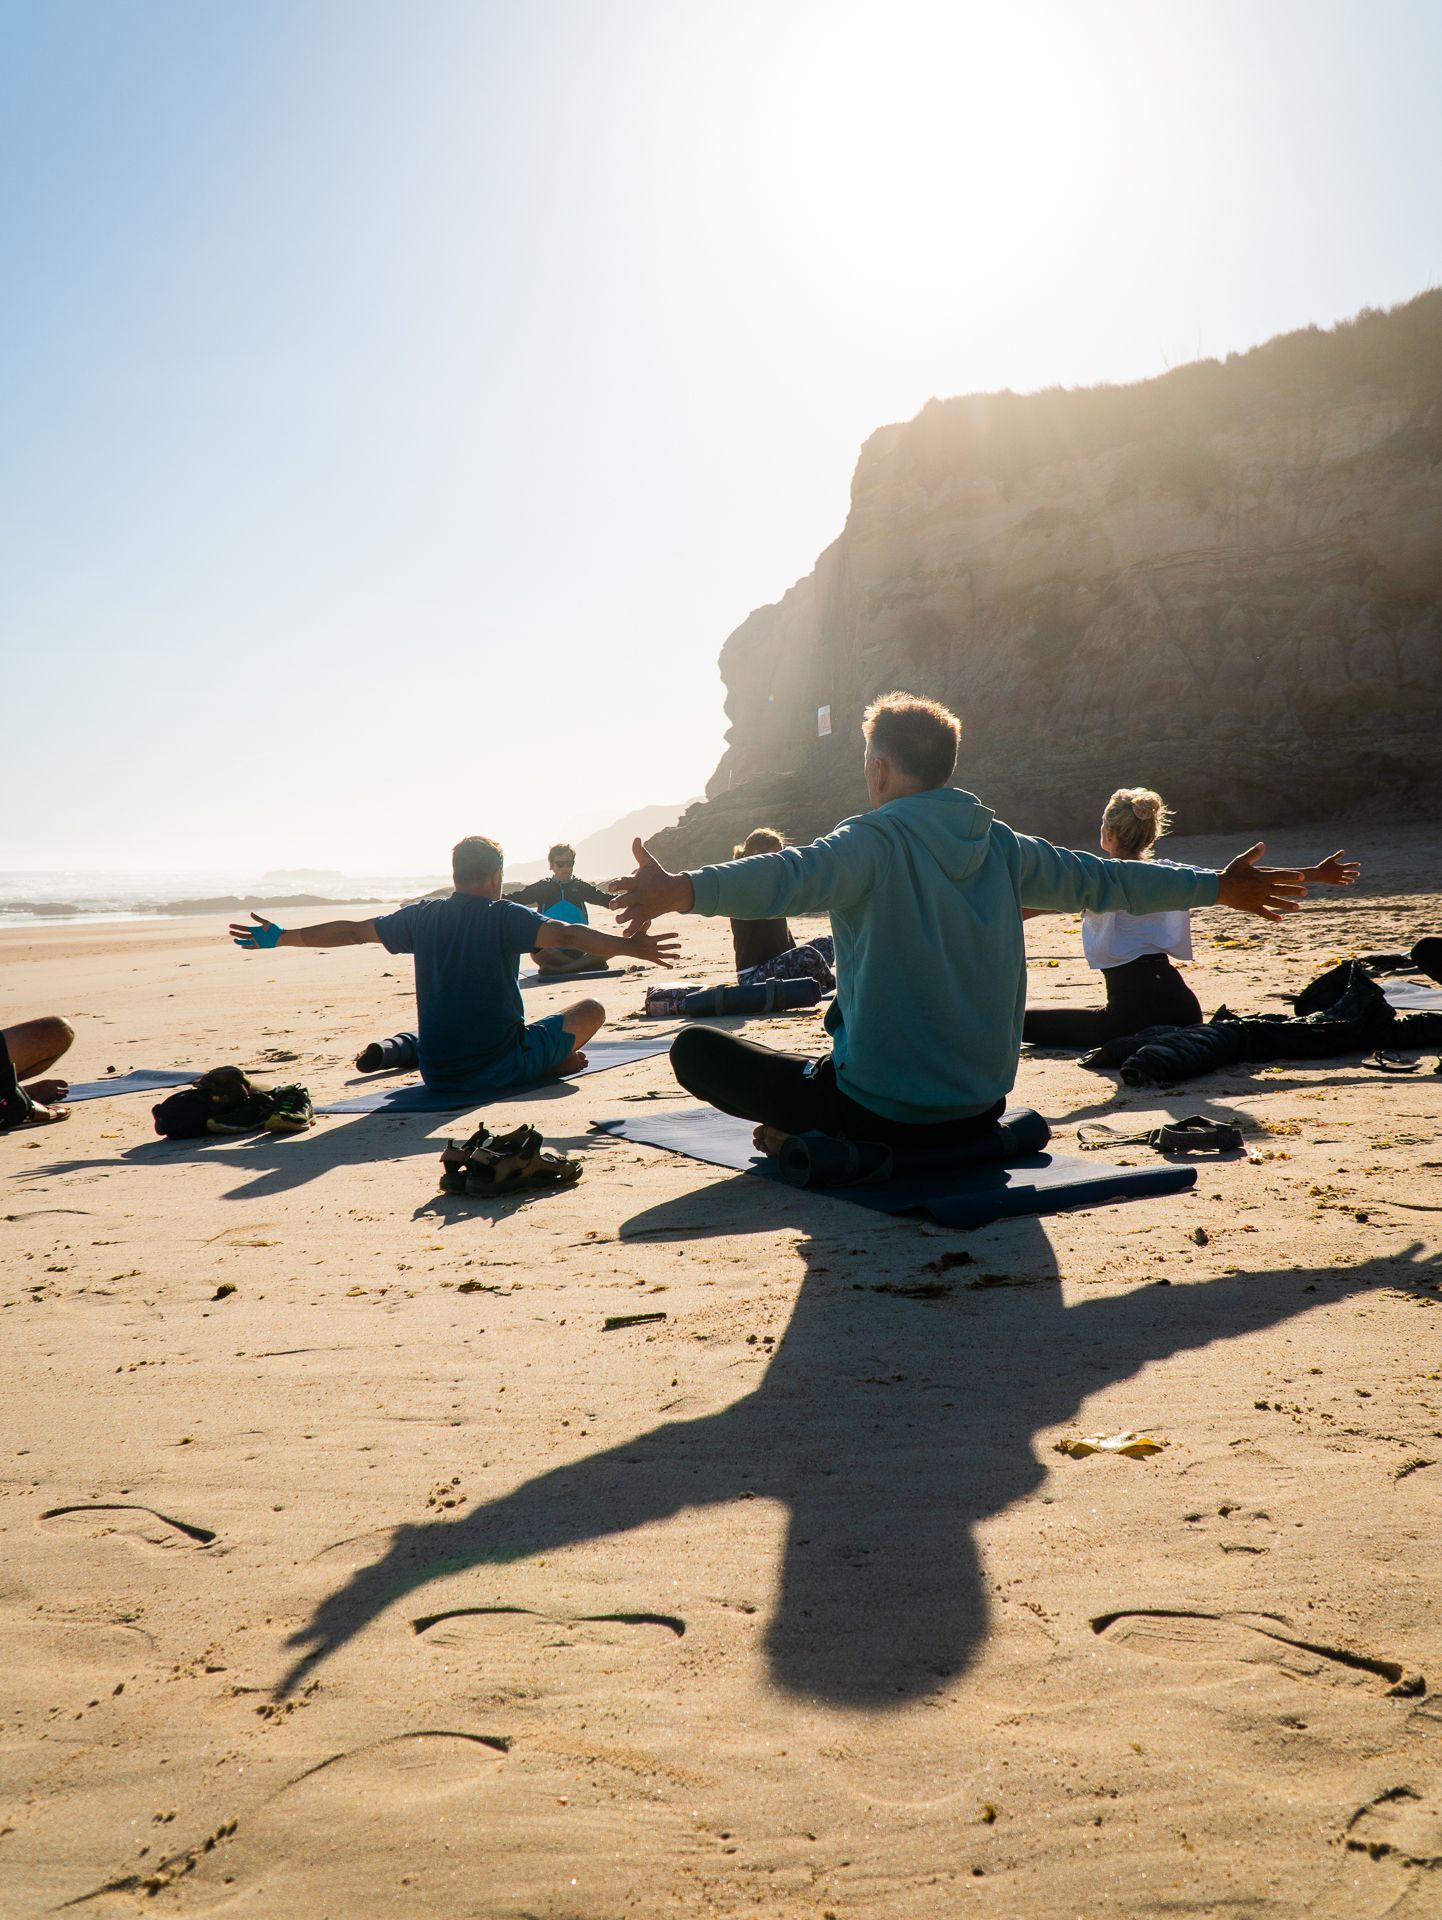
889,1427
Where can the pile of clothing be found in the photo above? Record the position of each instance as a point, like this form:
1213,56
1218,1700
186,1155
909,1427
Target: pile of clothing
224,1101
1342,1012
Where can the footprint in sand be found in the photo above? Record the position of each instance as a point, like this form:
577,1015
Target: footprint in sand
1391,1866
414,1824
475,1627
1224,1639
143,1525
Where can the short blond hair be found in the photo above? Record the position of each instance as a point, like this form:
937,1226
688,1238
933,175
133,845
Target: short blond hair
1136,818
760,840
919,737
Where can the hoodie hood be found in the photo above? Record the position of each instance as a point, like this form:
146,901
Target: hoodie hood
946,823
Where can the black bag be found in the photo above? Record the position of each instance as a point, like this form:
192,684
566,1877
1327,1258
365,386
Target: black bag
186,1115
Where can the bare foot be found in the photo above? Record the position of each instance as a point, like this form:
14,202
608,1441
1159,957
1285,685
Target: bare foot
48,1091
572,1063
770,1141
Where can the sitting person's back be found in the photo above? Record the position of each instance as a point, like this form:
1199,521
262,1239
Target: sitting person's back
754,942
467,952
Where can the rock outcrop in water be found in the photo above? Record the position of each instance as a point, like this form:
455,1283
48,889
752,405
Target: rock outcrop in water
1225,582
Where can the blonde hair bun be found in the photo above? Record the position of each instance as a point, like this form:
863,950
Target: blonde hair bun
1137,818
760,840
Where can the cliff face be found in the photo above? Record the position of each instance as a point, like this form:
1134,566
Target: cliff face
1226,583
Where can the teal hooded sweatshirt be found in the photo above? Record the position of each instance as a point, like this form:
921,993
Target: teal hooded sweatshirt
925,897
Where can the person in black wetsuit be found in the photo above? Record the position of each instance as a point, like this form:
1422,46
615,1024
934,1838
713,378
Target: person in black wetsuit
1134,953
561,896
767,949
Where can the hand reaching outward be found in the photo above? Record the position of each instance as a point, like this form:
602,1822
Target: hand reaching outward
265,933
1335,871
1269,892
643,896
660,949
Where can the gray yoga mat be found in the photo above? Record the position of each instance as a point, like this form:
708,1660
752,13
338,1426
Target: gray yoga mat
960,1196
1413,996
141,1080
417,1098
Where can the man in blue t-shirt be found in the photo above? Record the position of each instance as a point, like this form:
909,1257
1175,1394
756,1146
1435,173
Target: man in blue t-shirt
467,949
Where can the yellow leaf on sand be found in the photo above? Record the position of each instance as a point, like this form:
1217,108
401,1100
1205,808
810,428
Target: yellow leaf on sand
1136,1446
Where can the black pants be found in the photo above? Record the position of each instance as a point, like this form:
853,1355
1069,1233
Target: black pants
797,1095
1148,992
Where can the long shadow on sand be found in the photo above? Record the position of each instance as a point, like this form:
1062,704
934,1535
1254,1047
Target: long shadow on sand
888,1426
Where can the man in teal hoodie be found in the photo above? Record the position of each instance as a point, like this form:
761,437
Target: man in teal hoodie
925,895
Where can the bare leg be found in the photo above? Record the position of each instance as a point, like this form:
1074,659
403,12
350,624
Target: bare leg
582,1022
32,1046
35,1045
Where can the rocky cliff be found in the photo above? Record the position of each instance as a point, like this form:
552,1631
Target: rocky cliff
1225,582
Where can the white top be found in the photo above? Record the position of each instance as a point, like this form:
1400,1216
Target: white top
1111,939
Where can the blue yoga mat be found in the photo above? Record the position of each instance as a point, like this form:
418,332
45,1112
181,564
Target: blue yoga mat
959,1196
415,1098
1413,996
142,1080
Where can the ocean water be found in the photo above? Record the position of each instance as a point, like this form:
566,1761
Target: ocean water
47,898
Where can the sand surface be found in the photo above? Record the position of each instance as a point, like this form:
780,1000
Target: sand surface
784,1605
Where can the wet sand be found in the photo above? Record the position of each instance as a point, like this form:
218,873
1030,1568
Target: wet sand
389,1583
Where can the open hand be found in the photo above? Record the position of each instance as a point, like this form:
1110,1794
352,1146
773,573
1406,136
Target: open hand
643,896
661,949
1335,871
1269,892
265,933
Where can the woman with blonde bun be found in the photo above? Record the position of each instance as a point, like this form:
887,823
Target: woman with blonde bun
767,949
1134,952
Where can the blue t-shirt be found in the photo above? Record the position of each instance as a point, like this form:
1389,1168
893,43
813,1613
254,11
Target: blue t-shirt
467,951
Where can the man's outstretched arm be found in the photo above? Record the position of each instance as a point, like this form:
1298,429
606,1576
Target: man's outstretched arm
658,950
329,933
1053,879
835,871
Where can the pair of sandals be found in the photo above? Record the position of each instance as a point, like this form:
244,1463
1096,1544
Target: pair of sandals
490,1164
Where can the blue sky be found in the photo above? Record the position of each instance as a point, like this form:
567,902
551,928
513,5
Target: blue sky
400,403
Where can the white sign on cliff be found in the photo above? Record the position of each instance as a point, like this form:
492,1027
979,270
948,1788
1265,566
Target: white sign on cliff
823,721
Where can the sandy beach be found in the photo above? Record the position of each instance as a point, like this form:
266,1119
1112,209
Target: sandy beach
350,1567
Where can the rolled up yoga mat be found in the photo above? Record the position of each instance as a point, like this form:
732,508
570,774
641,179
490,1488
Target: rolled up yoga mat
396,1055
818,1160
768,996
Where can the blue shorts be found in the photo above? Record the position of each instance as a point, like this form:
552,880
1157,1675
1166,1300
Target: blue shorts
540,1050
535,1054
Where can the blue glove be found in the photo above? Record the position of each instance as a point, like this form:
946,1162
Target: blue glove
265,933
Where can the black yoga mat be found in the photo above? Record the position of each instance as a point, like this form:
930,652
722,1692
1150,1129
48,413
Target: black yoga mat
968,1195
417,1098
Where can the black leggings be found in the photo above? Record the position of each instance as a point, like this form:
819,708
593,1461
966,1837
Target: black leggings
794,1094
1148,992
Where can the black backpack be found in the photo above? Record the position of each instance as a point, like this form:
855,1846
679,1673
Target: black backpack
186,1115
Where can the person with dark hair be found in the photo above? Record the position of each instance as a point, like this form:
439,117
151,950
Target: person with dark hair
561,896
467,948
33,1046
925,894
767,949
